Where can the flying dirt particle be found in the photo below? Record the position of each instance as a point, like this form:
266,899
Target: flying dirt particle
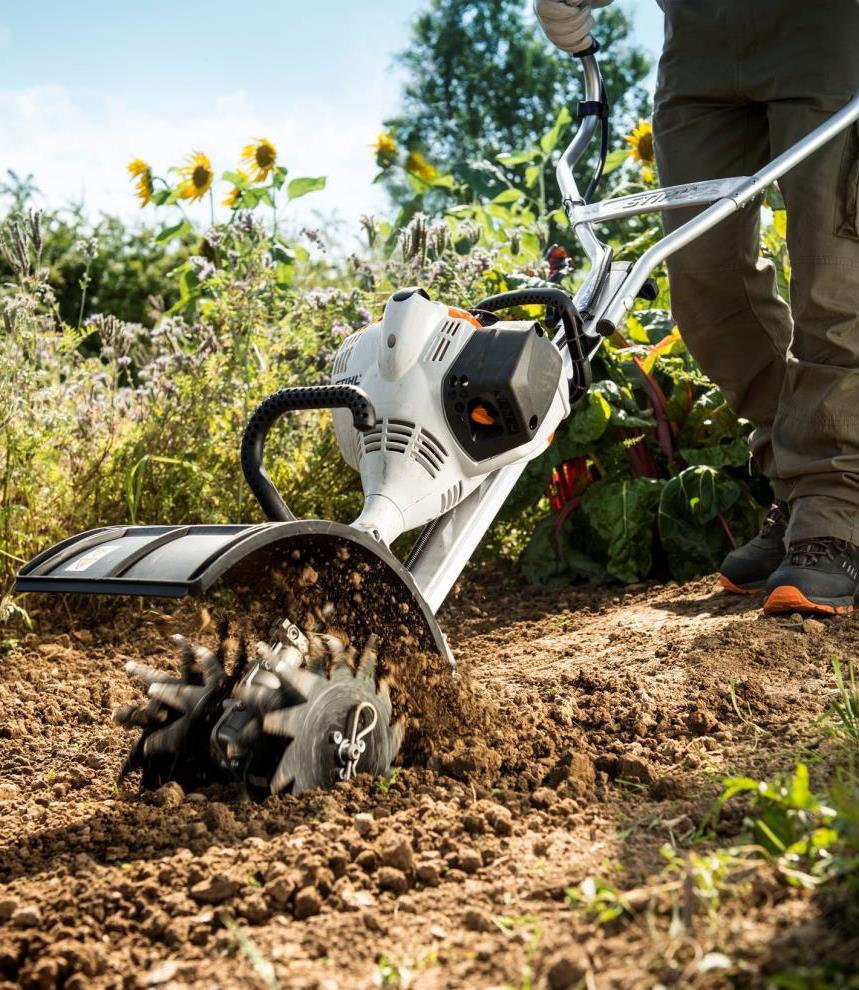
356,579
307,577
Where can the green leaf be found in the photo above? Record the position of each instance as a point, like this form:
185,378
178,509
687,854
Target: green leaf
540,561
279,176
614,161
171,233
623,513
235,179
518,157
509,196
591,419
729,452
549,141
694,510
532,175
301,187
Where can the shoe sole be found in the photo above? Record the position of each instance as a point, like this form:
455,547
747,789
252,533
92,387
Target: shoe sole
738,589
790,599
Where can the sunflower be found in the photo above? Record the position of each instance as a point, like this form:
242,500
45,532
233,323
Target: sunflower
142,173
197,176
232,197
641,142
260,159
386,149
647,174
419,167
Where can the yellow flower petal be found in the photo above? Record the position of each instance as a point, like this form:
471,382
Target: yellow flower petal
260,158
197,176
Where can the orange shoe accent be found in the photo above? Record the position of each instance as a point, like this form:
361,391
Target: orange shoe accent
735,589
790,599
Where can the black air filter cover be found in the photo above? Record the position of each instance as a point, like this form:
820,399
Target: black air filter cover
500,388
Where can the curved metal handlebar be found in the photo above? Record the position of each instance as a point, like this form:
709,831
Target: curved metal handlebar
575,150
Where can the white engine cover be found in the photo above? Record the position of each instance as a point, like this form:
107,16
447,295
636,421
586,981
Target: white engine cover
412,467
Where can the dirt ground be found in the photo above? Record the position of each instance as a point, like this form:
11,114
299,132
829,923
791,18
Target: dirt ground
598,726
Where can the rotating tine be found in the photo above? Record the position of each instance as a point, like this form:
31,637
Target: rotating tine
369,656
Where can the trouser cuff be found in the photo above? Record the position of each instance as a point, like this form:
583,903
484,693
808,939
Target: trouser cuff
817,516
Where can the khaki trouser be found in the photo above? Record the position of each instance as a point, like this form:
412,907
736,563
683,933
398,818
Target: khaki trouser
739,82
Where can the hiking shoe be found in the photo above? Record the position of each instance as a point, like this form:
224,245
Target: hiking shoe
748,568
816,576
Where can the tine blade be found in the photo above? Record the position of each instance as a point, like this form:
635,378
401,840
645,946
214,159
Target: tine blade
182,697
398,734
284,722
369,655
300,681
168,739
284,775
255,696
341,671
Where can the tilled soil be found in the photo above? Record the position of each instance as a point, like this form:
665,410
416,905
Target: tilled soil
594,729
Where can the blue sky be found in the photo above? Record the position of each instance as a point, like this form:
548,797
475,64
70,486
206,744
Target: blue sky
85,87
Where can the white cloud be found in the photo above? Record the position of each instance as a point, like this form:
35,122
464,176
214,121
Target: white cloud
78,144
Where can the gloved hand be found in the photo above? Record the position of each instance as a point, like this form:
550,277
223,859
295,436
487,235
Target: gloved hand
568,23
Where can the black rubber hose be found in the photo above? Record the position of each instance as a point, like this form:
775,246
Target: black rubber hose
269,412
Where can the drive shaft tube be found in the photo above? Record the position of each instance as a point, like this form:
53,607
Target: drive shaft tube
269,412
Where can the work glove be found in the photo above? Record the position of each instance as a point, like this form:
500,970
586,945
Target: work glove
568,23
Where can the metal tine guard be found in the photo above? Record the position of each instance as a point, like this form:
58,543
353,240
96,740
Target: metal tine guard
269,412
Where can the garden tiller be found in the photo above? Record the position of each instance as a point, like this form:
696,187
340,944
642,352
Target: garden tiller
440,410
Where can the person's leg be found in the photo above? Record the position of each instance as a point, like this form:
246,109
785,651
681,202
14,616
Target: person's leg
724,295
816,429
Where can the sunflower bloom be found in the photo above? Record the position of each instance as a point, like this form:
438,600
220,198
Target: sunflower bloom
197,176
419,167
260,159
647,174
386,149
232,197
641,143
142,174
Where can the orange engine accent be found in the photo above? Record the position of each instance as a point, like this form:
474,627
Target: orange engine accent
460,314
480,414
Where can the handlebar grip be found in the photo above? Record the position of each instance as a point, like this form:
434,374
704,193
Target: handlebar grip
270,411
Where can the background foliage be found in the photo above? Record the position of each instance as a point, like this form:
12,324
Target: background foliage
132,357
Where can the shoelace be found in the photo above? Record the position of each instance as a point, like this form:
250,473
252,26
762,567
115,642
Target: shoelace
807,554
776,516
